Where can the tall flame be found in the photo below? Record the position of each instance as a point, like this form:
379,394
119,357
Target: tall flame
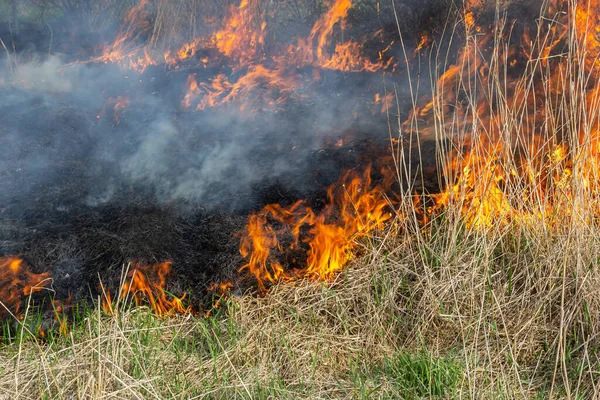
517,157
125,50
514,158
315,50
242,38
354,210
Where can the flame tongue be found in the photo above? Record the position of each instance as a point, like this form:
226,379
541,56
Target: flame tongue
17,282
315,50
124,50
518,155
241,43
354,210
323,28
242,36
146,285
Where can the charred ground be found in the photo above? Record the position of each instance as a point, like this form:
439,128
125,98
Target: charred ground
88,188
73,206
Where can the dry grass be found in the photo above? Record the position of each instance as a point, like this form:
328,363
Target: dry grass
306,341
511,318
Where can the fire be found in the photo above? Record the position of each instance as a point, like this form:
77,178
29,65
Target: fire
275,84
118,105
512,159
187,51
17,282
502,171
193,91
125,50
322,31
355,209
241,37
424,42
145,284
346,58
314,50
220,288
241,41
324,26
384,102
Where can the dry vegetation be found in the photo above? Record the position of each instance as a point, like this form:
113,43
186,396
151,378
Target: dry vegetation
451,314
173,23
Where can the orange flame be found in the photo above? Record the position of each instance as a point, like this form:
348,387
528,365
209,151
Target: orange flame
187,51
424,42
146,285
242,36
124,51
499,171
503,170
346,56
17,282
241,40
385,102
276,87
118,105
324,26
221,288
354,210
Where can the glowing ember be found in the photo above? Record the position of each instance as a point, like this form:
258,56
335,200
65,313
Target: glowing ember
220,289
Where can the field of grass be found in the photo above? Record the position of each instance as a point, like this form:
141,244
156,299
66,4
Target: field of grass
447,315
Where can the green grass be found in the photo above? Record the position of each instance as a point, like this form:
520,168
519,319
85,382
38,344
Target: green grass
135,353
409,375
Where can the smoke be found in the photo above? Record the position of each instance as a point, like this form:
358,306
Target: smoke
64,147
45,76
68,144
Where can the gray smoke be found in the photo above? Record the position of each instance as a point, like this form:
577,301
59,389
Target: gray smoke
62,150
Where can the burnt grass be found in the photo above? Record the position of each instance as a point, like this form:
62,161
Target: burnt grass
67,206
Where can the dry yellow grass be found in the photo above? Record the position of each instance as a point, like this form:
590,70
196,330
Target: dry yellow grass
510,317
